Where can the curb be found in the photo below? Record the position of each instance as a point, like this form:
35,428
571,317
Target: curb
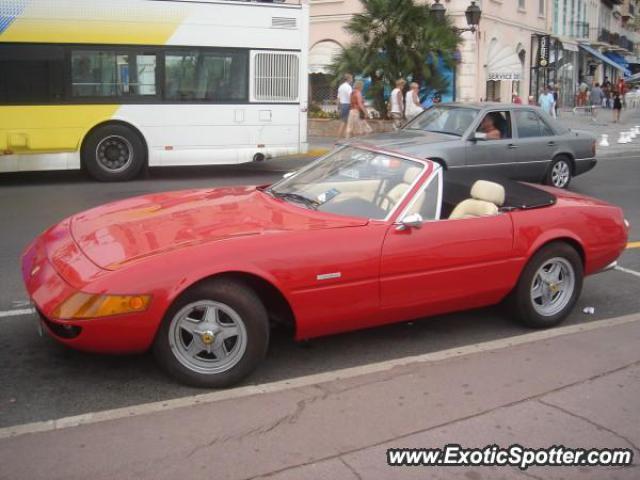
309,380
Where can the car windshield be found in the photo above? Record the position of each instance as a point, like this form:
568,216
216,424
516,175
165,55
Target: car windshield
444,119
351,181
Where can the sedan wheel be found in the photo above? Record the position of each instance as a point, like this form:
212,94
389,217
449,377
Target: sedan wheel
214,335
560,173
549,286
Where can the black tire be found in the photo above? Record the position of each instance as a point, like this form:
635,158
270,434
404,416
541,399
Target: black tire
250,310
113,153
560,172
521,303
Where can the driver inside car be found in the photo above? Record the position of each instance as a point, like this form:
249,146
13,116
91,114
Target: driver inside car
488,126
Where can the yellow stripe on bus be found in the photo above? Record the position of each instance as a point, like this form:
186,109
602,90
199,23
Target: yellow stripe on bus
88,32
49,128
96,21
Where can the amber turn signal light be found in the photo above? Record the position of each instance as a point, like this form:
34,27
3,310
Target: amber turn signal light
82,305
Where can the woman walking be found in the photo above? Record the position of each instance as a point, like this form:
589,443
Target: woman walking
356,125
617,106
412,101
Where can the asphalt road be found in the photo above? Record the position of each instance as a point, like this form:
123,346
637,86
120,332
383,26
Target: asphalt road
41,380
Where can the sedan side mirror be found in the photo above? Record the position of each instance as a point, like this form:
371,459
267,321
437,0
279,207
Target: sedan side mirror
410,221
479,136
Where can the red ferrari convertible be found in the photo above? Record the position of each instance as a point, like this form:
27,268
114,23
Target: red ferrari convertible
360,238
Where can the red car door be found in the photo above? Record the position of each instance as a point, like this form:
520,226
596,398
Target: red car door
447,265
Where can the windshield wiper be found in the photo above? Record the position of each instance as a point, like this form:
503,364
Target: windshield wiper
296,197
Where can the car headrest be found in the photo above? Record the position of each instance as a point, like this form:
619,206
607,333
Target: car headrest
411,174
488,191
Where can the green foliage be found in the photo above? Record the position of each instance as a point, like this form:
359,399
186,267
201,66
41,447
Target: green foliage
391,40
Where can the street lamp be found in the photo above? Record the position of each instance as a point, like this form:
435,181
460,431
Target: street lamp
473,14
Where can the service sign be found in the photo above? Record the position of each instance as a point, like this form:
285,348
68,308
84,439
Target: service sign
505,76
544,48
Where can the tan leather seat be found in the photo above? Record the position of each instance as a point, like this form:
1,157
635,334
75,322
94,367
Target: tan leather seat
396,193
486,199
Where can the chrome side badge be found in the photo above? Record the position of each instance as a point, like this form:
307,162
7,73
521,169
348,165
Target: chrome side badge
328,276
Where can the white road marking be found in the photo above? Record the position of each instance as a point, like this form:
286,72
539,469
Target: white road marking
20,303
304,381
627,270
17,312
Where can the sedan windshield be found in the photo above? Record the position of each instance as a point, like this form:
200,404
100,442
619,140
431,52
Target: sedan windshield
443,119
351,181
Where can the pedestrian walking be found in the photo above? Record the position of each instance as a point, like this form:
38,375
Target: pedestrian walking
596,100
583,91
556,96
617,106
396,103
515,98
344,103
356,124
412,101
546,101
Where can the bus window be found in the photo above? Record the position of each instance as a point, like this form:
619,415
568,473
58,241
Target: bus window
31,74
103,73
206,75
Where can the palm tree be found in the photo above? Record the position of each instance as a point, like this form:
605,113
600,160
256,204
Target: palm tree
396,39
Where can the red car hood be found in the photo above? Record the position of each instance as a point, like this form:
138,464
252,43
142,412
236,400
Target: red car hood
123,231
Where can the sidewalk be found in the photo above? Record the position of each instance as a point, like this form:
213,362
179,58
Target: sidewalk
576,386
603,124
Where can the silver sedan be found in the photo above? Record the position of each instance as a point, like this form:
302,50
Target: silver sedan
516,141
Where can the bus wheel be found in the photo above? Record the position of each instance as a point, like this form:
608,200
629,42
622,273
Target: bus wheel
113,153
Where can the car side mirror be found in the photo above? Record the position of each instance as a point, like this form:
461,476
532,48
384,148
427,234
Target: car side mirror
410,221
479,136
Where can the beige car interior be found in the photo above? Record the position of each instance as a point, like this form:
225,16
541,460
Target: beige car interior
397,192
486,200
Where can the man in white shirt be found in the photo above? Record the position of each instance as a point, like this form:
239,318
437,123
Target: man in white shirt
344,103
396,103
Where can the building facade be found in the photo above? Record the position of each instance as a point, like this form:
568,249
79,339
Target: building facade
590,41
519,47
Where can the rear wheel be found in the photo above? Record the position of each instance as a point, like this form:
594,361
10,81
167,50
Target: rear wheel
559,174
112,153
548,287
214,335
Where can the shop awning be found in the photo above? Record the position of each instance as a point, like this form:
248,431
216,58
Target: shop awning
619,59
568,44
503,63
321,56
634,78
604,58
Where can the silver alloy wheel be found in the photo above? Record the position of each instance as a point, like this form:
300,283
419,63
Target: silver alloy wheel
553,286
208,337
114,153
560,174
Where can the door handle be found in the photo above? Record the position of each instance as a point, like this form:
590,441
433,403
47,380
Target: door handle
512,146
552,144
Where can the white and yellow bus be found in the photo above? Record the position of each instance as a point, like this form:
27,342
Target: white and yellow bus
113,86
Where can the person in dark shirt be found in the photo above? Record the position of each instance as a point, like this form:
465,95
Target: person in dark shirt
617,106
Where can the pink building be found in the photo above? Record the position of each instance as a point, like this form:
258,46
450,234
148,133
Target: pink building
495,60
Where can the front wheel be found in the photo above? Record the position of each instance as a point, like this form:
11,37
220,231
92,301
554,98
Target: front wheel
548,287
214,335
559,175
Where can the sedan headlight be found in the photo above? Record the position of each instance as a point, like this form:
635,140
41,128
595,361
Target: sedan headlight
86,305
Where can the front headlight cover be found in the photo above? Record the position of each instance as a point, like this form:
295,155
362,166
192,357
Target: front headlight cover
83,306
